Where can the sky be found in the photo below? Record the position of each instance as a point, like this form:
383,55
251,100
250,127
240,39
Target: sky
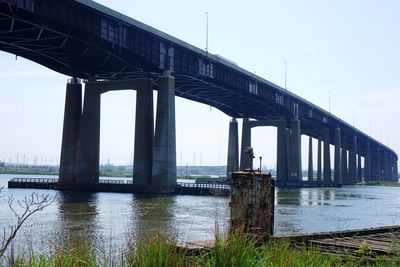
342,55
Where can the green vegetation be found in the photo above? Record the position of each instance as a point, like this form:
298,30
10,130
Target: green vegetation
382,183
235,251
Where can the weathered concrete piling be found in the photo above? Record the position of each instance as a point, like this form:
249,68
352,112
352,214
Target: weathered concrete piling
252,203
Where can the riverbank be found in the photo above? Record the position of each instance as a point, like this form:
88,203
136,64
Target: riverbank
236,251
383,183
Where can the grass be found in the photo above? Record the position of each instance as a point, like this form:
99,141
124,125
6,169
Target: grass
382,183
238,250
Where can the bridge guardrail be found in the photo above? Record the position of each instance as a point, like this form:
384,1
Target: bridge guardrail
108,181
34,180
211,186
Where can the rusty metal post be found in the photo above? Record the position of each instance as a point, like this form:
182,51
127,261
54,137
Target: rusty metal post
252,203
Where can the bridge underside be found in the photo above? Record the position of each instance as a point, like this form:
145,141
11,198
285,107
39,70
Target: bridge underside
73,53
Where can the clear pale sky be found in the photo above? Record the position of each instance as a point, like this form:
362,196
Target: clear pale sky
349,48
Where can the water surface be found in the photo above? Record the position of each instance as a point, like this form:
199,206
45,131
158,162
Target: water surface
115,218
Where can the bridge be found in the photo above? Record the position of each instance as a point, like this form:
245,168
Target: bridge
110,51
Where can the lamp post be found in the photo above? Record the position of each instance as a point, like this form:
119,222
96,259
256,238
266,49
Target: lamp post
206,31
285,74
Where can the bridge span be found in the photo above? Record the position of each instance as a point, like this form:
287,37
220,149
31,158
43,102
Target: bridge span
110,51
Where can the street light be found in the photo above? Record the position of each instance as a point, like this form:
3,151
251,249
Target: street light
206,31
285,74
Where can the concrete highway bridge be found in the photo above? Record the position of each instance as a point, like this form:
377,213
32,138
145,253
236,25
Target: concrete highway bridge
110,51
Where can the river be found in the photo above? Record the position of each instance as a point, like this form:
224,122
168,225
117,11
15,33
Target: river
115,218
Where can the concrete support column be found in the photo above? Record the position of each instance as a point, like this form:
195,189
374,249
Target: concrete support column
353,162
233,149
327,179
359,169
295,152
282,162
319,162
246,142
288,151
144,135
386,166
70,137
164,155
345,172
396,172
378,165
338,158
310,160
392,176
367,163
88,166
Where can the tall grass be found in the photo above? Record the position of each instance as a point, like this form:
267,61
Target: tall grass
234,251
155,251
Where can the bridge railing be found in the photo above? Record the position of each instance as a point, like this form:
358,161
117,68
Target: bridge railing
211,186
109,181
34,180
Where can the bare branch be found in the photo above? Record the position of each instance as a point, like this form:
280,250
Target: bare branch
29,205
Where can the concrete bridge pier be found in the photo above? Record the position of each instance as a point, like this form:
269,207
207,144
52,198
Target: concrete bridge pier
353,161
359,169
233,149
144,135
386,166
295,173
367,163
246,142
70,136
319,162
88,163
394,174
281,155
310,160
345,172
393,162
390,168
337,177
288,151
164,161
396,171
327,178
376,166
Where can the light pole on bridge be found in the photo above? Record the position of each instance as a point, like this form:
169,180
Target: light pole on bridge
206,32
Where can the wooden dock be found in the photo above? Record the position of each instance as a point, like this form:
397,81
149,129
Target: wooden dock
369,242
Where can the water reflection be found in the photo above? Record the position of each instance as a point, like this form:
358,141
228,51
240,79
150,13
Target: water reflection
309,196
288,196
104,218
78,221
152,214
